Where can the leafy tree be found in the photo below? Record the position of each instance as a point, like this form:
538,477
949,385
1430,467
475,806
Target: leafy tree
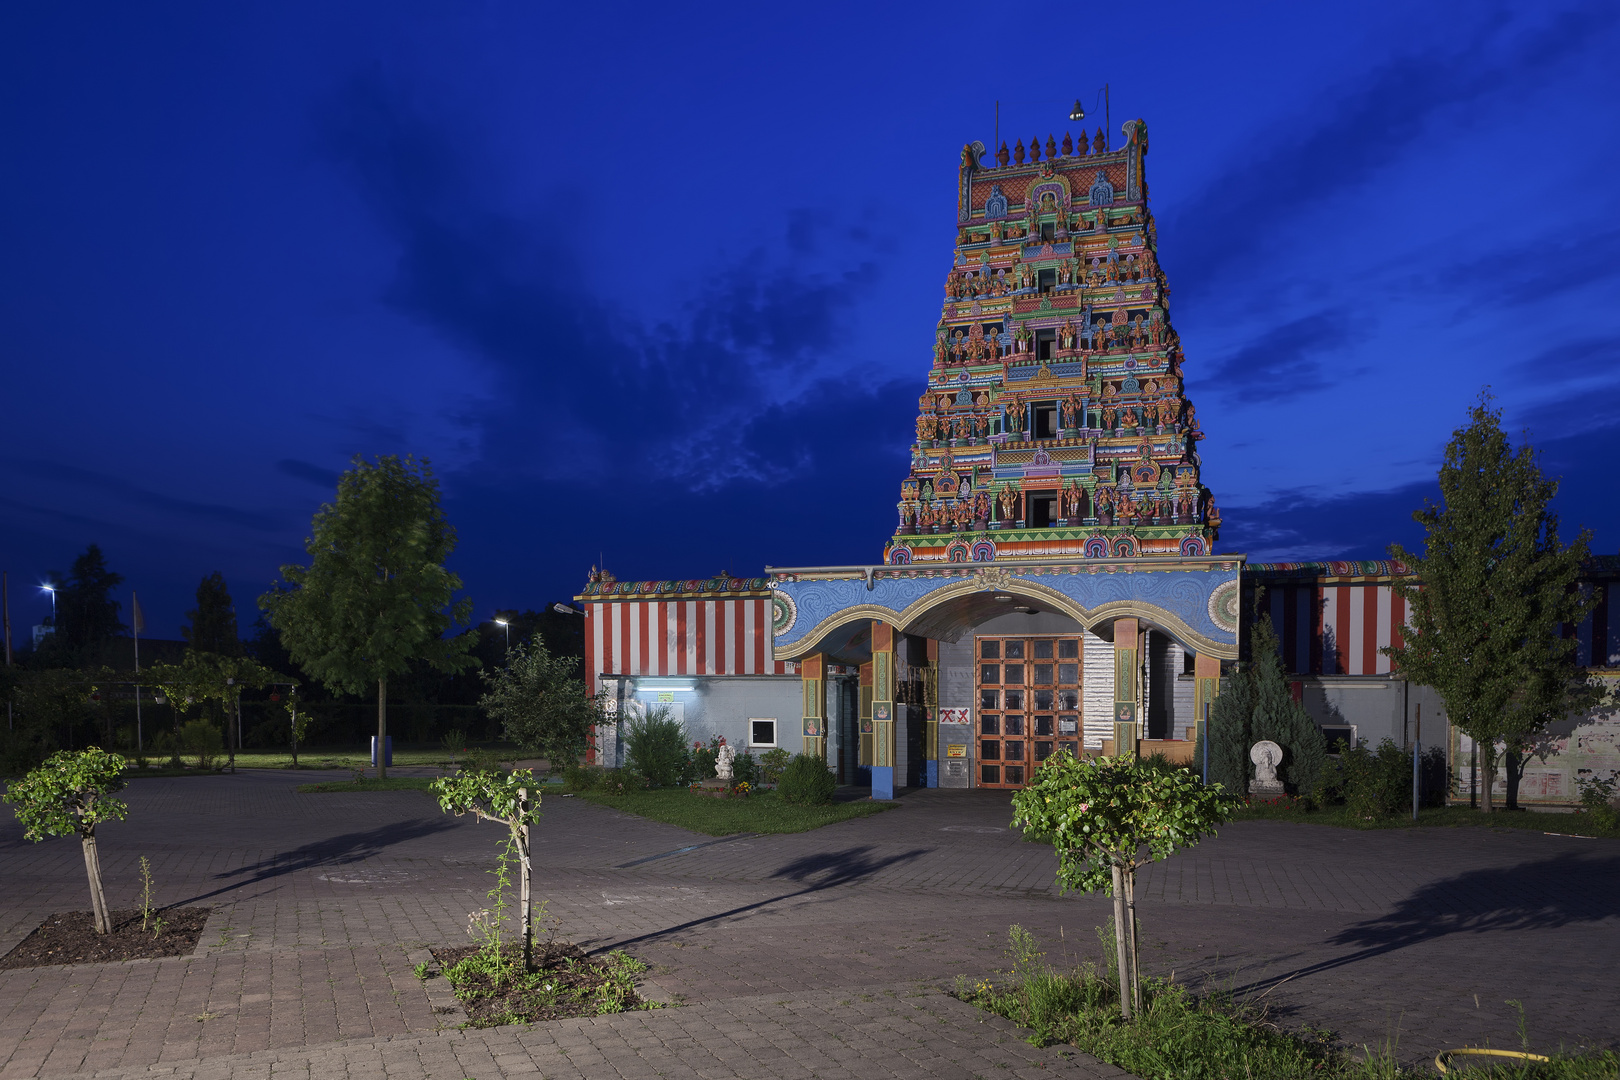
213,622
205,677
655,747
1256,705
376,595
1108,816
70,794
542,706
1496,587
51,705
513,799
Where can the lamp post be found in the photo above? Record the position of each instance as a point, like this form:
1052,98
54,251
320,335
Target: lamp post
52,590
1076,114
504,625
564,609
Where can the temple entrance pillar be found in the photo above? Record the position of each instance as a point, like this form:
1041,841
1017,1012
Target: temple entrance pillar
1127,685
882,711
812,681
1206,686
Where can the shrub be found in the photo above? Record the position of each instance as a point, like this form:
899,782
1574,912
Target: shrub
655,748
202,741
1597,801
1256,705
745,769
771,764
478,760
806,781
1377,783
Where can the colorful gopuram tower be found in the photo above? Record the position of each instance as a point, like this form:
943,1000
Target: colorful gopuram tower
1056,421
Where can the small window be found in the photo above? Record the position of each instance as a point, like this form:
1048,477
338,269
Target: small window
990,673
1043,650
1068,648
762,732
987,699
1068,673
1043,510
1015,674
1043,698
1015,651
1048,233
1046,416
1048,280
1045,342
990,650
1015,700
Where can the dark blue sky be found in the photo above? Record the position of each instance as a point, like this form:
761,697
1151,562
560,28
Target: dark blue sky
662,285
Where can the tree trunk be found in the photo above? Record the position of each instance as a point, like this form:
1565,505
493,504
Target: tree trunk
1130,913
1126,993
1488,780
382,729
98,896
1514,762
525,908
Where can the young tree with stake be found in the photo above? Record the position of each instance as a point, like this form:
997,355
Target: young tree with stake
69,795
376,595
1109,816
513,799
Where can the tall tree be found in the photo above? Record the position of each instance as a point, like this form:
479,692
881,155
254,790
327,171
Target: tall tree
1496,586
213,622
376,594
87,615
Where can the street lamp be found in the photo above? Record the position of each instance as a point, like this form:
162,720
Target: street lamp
504,625
52,590
564,609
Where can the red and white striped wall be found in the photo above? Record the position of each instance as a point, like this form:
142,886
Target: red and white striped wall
700,636
1336,629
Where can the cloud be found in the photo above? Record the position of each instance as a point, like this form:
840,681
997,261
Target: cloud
1285,361
586,390
68,474
1550,266
1340,145
314,474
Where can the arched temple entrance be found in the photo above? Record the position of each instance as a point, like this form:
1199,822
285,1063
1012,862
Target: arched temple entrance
971,675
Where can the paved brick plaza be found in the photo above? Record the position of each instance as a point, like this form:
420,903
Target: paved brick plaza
819,954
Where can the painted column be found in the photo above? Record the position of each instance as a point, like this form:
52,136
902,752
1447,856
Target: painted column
1206,685
863,748
882,711
815,710
931,714
1127,676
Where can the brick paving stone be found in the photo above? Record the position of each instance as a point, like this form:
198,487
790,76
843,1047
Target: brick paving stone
788,952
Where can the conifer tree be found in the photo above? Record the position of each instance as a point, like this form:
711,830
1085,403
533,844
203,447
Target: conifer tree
1257,704
1495,588
213,623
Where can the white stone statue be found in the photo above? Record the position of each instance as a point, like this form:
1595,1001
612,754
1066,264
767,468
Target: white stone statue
722,762
1266,756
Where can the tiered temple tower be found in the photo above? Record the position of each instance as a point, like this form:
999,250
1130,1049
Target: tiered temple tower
1056,421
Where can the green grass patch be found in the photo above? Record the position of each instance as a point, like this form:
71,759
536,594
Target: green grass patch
763,812
1432,816
371,783
1182,1035
343,757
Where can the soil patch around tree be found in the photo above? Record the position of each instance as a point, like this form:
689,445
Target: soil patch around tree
566,982
70,938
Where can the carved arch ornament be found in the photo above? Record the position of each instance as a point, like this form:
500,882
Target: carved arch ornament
1089,618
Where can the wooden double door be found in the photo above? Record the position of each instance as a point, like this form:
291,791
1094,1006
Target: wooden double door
1029,705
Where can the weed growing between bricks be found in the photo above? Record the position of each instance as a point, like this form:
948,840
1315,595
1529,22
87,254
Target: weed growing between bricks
1180,1035
494,989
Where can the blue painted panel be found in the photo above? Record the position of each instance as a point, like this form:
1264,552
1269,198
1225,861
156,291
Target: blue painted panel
883,781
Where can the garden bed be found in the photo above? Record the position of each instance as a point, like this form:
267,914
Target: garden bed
71,938
565,983
760,812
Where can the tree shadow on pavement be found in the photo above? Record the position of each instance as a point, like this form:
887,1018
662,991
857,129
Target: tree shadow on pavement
1561,891
332,851
826,870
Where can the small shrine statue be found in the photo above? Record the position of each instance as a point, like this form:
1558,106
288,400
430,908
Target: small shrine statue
1266,756
723,760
